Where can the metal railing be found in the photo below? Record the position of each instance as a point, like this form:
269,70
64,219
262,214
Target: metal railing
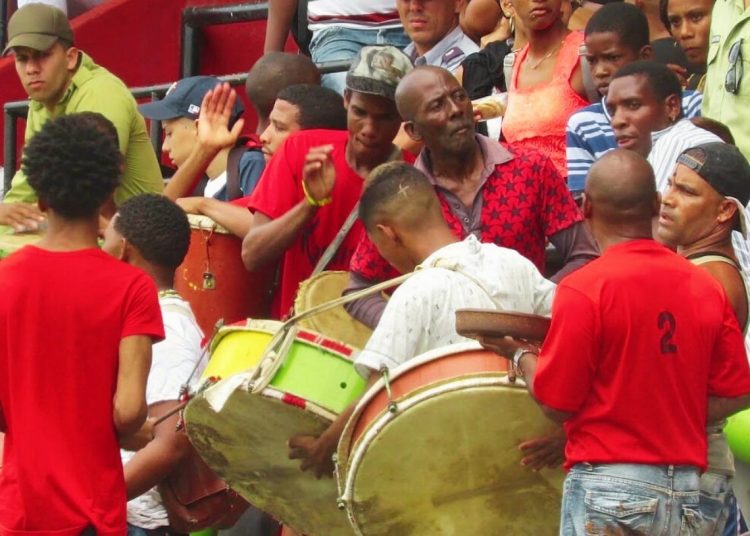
193,20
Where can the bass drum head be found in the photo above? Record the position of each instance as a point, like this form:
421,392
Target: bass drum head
448,463
335,323
245,444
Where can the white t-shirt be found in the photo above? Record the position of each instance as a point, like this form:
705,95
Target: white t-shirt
421,314
173,361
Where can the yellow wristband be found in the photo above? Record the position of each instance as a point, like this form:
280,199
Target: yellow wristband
312,201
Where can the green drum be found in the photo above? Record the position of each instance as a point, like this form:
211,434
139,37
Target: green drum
240,426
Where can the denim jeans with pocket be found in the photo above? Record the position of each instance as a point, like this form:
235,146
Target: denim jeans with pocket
338,43
631,499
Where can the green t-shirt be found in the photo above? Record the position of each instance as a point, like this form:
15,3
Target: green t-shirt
95,89
730,24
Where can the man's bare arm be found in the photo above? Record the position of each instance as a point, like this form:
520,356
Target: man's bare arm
280,15
160,456
234,218
721,408
130,408
268,239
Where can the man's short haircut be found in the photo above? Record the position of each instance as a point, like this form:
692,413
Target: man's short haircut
625,20
319,107
157,227
74,163
398,191
273,72
662,81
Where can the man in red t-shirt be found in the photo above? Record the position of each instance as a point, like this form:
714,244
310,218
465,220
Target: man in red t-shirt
635,362
505,195
76,328
313,183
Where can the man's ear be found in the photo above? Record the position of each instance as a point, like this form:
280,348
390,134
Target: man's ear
727,210
42,205
127,251
71,57
674,107
412,132
388,231
586,206
646,52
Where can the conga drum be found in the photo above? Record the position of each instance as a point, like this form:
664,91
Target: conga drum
214,281
434,450
240,425
335,323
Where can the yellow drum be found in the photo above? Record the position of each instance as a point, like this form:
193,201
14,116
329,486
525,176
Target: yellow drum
335,323
435,451
240,425
238,347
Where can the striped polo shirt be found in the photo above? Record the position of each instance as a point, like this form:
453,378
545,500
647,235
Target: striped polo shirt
589,135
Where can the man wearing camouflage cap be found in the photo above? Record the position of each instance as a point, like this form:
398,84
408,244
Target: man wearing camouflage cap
311,186
60,79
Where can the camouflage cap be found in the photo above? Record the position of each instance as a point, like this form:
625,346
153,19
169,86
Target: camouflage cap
377,70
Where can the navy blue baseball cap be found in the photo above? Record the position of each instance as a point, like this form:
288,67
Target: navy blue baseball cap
184,99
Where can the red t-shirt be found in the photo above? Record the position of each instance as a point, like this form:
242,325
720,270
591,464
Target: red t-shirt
280,190
639,339
524,201
62,316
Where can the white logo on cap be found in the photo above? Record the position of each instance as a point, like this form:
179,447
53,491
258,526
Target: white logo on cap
193,109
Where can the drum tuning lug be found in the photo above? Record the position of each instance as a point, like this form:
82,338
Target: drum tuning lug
335,457
209,281
387,384
341,504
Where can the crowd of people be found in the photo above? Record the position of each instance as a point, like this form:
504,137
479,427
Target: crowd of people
610,194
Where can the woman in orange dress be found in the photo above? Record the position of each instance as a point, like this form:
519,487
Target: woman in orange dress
546,86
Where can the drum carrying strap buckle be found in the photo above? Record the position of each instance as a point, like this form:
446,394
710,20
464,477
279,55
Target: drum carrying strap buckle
392,407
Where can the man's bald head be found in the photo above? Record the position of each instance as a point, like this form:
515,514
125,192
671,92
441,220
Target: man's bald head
410,91
273,72
621,190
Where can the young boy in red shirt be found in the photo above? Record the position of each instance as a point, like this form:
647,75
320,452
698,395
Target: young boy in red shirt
76,328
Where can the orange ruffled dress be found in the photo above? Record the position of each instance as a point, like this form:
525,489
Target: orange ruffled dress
537,116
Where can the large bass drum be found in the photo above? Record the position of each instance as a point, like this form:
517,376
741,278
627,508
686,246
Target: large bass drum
435,451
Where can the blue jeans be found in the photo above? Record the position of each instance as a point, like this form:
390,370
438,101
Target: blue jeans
651,500
337,43
716,500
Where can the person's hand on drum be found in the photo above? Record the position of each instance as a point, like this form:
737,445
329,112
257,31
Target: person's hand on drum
22,217
319,175
547,451
213,119
504,346
316,453
191,205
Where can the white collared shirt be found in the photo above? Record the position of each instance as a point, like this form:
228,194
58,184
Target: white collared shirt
421,314
448,53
